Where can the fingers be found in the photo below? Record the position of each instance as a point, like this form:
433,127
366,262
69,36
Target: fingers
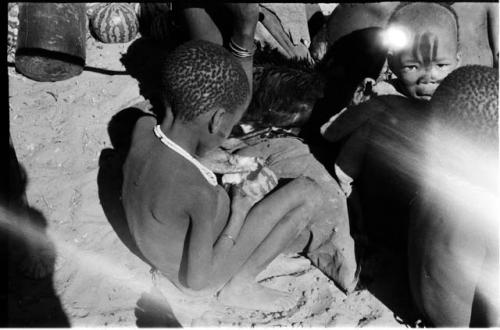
363,92
265,181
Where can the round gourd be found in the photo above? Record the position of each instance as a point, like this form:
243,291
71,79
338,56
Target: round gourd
114,23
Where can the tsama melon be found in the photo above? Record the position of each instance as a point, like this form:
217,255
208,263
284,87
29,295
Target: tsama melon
114,23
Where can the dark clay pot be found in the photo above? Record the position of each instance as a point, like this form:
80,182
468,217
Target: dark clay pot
51,40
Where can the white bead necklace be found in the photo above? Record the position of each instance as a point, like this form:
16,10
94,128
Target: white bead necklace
208,174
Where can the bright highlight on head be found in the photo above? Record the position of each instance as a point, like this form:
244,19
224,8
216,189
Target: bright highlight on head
395,38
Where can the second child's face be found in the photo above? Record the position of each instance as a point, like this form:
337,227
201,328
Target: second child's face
228,121
421,67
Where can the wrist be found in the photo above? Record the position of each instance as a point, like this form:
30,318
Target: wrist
244,39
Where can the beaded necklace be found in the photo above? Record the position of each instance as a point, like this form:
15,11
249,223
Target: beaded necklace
208,174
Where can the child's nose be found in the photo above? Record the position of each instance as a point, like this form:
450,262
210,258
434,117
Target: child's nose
430,75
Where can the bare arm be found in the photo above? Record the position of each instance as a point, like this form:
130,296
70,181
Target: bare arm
244,22
209,264
245,18
206,252
493,31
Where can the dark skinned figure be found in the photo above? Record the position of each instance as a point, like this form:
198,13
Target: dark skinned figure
453,236
378,128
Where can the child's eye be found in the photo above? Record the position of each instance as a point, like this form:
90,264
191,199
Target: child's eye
410,67
442,65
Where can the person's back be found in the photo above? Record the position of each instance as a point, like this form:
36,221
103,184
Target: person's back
152,172
453,250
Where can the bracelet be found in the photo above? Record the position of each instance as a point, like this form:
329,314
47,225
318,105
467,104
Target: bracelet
239,51
230,237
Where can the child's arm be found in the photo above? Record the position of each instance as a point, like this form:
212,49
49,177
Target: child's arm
351,119
350,159
202,250
493,30
245,17
207,258
244,22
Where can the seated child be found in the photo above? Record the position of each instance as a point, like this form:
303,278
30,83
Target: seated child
419,67
382,124
182,221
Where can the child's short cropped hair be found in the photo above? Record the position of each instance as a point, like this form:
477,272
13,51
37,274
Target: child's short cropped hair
199,76
395,13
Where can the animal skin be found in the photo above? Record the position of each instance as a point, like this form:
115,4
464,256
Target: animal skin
453,237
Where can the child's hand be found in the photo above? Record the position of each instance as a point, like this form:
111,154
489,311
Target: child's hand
222,162
363,92
385,88
256,185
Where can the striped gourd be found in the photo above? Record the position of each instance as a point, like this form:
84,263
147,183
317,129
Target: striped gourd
114,23
13,27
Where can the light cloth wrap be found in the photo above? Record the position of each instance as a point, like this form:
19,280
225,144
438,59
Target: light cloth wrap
292,27
332,247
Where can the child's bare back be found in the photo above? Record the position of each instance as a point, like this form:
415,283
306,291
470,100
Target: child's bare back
160,189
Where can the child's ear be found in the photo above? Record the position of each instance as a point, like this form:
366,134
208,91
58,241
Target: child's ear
216,120
391,62
459,58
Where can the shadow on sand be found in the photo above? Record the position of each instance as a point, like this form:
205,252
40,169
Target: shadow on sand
110,176
31,297
143,61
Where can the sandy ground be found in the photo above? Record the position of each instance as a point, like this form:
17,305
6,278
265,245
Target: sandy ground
61,136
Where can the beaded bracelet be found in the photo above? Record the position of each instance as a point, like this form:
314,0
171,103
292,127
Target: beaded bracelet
239,51
230,237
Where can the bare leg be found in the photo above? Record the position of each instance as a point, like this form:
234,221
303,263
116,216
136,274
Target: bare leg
282,229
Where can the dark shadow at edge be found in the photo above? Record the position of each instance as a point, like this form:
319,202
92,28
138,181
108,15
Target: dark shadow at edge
30,302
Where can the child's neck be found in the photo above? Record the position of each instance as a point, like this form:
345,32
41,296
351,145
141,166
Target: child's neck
182,134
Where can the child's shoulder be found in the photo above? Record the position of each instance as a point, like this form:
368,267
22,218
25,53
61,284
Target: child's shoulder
143,126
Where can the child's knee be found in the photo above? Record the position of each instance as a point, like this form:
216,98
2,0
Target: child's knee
311,192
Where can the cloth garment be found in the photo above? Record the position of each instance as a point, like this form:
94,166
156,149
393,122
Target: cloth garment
331,247
285,28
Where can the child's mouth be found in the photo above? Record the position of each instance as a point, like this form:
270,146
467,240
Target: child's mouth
425,97
425,94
